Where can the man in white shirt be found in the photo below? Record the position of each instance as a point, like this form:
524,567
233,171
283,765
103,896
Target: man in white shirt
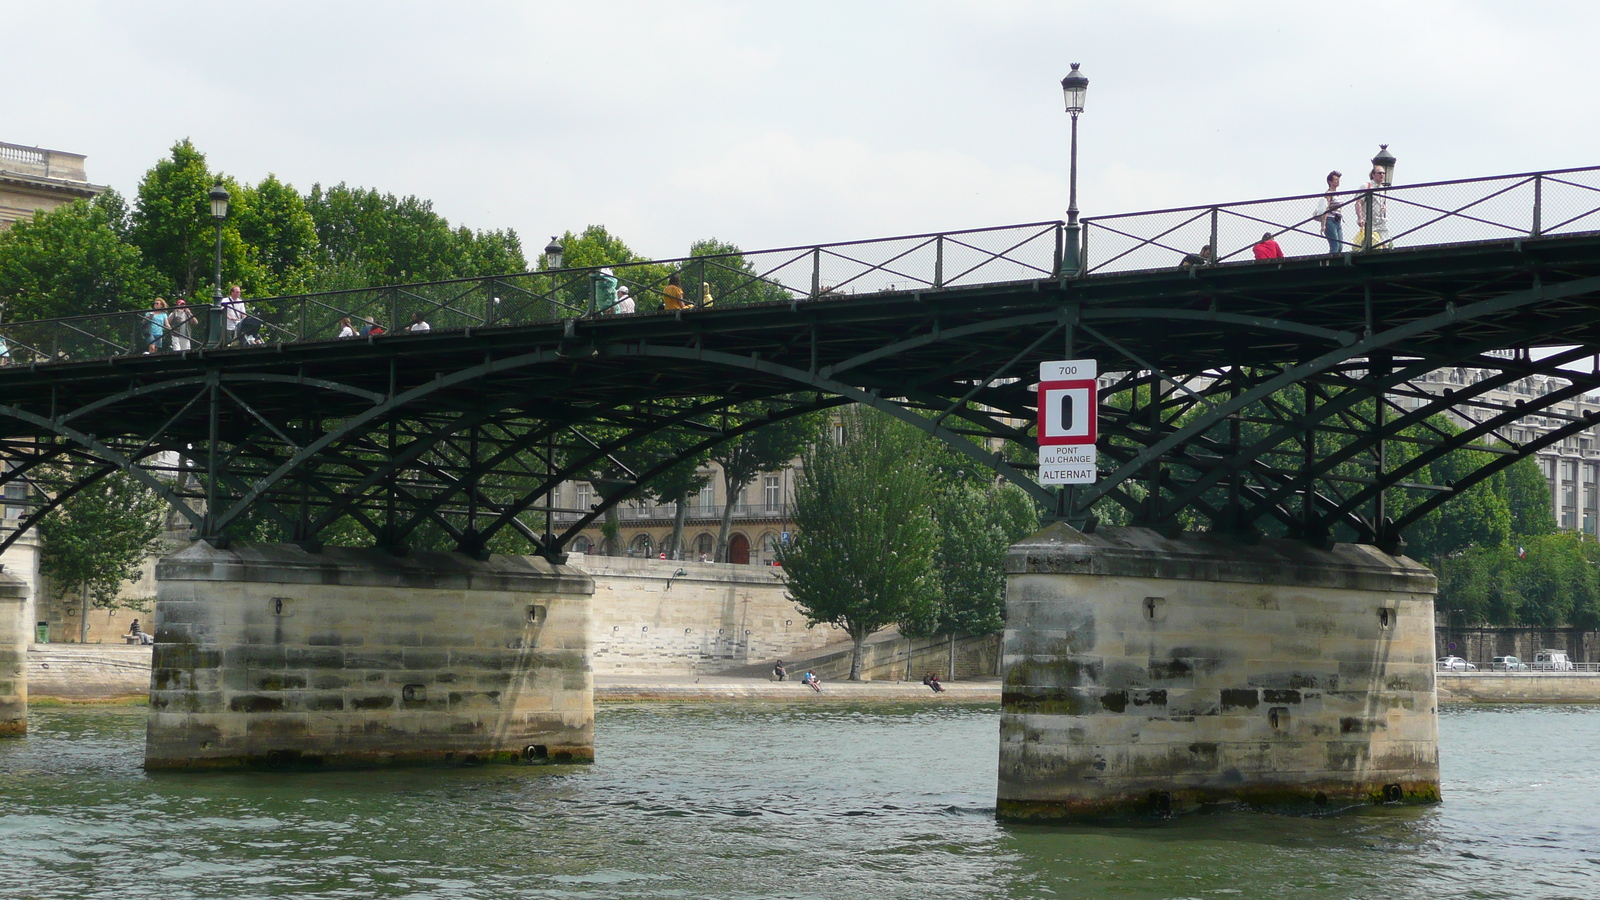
1329,213
233,312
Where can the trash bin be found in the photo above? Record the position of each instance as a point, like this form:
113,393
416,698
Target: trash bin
42,633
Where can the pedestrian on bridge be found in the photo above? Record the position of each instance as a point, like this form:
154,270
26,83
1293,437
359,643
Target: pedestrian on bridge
1203,258
179,321
418,324
625,305
1328,214
233,313
674,293
1267,248
155,326
345,329
1375,234
705,295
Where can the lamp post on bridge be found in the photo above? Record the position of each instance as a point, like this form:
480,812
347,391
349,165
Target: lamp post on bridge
1376,211
1074,86
219,212
552,254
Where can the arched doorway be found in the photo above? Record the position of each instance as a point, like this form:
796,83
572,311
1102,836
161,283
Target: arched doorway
704,546
739,550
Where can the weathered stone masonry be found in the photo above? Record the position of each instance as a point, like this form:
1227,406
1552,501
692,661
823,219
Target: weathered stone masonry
13,655
1147,673
268,654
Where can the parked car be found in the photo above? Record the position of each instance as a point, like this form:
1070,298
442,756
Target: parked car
1455,664
1508,664
1552,661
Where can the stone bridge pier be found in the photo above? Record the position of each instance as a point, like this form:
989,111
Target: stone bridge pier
267,654
1154,674
13,655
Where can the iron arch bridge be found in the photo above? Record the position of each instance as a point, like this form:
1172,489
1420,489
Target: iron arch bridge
1277,395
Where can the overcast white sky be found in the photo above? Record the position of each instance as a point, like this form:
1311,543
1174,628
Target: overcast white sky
769,124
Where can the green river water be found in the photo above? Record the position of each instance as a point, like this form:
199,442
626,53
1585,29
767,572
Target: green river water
765,801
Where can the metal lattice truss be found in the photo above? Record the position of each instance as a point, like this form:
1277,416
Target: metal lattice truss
1277,397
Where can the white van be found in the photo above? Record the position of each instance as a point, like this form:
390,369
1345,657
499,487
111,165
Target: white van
1552,661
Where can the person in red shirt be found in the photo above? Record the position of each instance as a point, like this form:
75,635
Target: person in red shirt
1268,248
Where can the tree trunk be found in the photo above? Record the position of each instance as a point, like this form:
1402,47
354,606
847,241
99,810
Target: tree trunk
731,491
678,515
856,653
611,532
83,617
950,673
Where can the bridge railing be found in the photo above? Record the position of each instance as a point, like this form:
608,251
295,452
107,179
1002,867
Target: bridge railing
1532,204
911,262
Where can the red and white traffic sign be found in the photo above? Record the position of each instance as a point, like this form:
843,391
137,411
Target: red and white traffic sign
1069,421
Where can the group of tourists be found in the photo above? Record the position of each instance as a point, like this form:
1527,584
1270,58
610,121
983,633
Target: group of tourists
371,328
1330,212
168,327
611,297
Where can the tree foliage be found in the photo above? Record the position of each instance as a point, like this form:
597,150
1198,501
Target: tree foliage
100,537
862,557
72,261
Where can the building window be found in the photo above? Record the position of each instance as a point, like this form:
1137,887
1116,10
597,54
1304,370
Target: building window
772,493
585,496
708,499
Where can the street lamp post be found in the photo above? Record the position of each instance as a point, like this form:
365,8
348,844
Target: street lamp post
1377,208
1074,86
219,212
552,253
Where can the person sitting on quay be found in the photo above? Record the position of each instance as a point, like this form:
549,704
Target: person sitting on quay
137,635
1267,248
779,672
932,681
809,679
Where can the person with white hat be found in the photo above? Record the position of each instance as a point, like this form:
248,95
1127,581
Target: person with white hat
624,301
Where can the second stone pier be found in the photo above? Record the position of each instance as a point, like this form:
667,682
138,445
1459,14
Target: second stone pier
13,655
1147,674
270,655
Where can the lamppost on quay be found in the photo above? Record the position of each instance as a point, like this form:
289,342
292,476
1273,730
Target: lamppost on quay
1074,86
219,212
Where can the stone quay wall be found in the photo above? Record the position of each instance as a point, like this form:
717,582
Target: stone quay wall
715,617
267,654
13,655
89,671
1519,687
1147,673
1479,644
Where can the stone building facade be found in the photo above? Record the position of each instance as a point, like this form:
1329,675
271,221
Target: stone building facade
32,178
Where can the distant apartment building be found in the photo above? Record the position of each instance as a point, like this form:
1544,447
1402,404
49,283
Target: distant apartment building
32,178
760,519
1572,466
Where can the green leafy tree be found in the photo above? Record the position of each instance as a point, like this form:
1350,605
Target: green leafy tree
367,238
977,521
862,555
1528,495
98,539
72,261
281,237
172,226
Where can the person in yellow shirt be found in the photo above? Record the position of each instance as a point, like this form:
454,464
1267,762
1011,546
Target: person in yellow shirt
674,293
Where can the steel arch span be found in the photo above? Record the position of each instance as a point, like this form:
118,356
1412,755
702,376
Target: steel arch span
1279,397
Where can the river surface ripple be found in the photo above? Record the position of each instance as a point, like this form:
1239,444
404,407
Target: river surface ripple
770,801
